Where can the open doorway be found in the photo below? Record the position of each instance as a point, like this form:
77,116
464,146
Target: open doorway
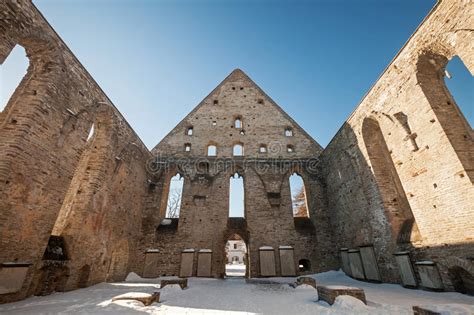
236,257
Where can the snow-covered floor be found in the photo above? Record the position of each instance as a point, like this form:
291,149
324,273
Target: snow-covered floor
235,270
234,296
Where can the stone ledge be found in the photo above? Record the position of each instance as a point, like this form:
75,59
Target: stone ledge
146,298
183,283
304,280
330,293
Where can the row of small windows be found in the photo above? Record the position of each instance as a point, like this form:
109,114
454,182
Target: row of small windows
238,125
238,149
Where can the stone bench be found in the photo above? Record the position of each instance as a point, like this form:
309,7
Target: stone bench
183,283
304,280
417,310
146,298
438,309
330,292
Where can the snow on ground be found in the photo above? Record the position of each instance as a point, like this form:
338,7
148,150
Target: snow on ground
235,270
233,296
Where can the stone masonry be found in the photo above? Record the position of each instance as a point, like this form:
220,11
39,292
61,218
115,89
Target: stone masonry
78,210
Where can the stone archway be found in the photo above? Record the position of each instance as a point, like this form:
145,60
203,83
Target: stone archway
236,257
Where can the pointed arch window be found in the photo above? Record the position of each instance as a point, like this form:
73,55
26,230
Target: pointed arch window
236,196
211,150
238,149
298,196
458,80
175,194
238,122
12,72
190,131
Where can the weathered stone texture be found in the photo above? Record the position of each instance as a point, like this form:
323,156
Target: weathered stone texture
76,211
330,293
204,216
44,150
408,127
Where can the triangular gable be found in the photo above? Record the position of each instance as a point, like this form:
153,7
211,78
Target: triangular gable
165,147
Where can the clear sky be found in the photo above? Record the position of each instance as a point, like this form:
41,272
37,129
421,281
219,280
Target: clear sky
156,60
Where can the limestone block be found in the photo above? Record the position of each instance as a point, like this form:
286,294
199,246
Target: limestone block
287,261
429,275
330,293
204,263
346,267
355,262
406,269
267,261
369,262
187,258
151,263
12,276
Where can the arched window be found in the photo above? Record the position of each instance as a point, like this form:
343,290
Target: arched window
238,149
460,84
289,132
298,196
238,122
175,194
290,148
446,98
91,133
12,72
189,131
211,150
236,197
187,147
304,265
262,148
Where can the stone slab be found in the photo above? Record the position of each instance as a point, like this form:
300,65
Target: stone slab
330,293
287,262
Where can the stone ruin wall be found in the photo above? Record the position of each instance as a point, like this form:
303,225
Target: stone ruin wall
50,173
398,174
203,221
429,146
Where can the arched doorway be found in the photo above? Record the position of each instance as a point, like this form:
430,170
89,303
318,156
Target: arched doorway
236,260
304,266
